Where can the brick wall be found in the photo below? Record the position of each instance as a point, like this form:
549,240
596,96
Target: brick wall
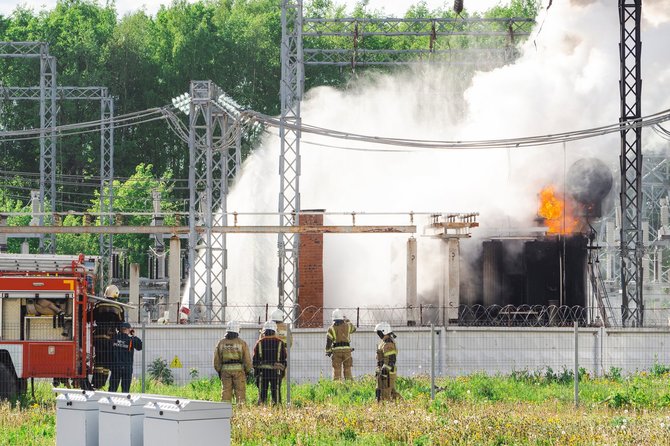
310,274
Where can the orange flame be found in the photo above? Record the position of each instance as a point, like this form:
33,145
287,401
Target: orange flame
557,212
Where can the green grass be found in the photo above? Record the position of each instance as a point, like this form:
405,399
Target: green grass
524,408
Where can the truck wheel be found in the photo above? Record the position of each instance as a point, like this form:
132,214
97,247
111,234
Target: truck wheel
9,388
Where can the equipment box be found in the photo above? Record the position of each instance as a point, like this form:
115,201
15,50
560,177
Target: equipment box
11,319
179,422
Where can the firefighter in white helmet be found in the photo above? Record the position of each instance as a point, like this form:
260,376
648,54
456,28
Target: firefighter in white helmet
106,317
338,345
387,353
282,333
269,361
232,362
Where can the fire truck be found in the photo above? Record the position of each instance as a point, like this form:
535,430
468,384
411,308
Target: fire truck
45,326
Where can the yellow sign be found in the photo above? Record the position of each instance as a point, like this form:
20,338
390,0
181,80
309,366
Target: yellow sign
176,363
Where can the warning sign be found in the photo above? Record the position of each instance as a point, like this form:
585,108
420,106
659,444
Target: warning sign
176,363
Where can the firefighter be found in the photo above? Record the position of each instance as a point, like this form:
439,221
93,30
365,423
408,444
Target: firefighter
387,353
232,363
282,333
269,362
106,316
124,345
338,345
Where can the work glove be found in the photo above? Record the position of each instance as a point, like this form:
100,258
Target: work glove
329,354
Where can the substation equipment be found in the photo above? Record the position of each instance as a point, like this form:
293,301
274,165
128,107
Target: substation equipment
214,134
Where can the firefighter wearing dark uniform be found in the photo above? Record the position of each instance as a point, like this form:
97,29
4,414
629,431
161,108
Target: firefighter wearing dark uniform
277,316
387,352
232,363
338,345
269,362
107,316
124,345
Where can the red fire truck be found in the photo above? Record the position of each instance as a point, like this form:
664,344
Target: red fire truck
45,307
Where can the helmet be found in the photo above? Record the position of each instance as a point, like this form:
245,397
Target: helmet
277,315
125,325
234,327
384,328
338,315
270,325
112,292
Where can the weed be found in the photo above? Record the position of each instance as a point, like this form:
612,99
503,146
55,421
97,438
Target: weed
659,369
160,372
614,374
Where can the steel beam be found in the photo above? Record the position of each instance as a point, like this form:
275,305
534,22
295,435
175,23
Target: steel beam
363,229
434,30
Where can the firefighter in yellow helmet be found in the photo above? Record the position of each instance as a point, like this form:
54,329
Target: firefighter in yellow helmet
338,345
106,316
387,353
232,362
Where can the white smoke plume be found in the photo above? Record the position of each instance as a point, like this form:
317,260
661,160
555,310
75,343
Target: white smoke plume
566,79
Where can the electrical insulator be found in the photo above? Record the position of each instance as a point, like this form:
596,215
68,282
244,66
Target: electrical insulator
458,6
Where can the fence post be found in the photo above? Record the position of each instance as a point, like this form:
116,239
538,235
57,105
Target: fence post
576,363
144,357
432,362
289,341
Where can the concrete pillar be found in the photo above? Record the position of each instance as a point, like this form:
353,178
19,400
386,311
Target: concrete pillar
413,316
25,247
174,274
36,207
453,277
134,293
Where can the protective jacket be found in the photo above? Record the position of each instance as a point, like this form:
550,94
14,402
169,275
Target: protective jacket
269,353
232,355
123,348
338,337
386,355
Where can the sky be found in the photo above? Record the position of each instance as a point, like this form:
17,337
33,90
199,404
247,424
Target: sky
392,7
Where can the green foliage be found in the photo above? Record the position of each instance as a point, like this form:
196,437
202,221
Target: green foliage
614,374
659,369
160,372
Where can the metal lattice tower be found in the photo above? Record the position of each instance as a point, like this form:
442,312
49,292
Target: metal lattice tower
106,183
47,142
630,88
47,98
100,94
291,88
208,187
